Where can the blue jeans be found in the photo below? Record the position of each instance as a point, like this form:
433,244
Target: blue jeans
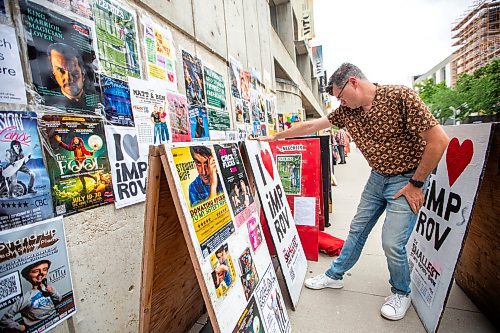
157,133
398,225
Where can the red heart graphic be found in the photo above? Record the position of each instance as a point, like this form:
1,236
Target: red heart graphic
457,158
267,161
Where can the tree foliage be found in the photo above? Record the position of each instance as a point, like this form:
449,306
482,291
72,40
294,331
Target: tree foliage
479,92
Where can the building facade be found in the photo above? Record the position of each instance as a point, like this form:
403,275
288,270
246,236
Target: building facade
477,37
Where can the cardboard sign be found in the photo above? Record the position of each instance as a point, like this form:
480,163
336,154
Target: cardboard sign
235,268
280,220
437,239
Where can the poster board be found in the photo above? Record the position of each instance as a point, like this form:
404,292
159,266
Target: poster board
284,234
234,273
299,165
439,233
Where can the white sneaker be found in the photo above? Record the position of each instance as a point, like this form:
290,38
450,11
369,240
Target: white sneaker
322,281
395,306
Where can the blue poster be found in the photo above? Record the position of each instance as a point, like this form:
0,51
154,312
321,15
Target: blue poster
117,104
198,121
24,183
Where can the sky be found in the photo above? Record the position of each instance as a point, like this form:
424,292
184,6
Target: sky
389,40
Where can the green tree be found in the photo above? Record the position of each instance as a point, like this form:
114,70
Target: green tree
479,92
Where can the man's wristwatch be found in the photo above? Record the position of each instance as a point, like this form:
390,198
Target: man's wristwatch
416,183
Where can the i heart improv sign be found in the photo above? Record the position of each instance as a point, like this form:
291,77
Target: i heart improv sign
279,217
437,238
128,165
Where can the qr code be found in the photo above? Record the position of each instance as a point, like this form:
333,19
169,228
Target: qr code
292,274
61,209
10,286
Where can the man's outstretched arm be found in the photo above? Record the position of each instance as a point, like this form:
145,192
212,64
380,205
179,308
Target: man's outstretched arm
300,129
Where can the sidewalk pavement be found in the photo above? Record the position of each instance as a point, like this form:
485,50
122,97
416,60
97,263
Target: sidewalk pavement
356,307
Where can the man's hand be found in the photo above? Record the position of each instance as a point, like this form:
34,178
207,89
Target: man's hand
414,196
57,137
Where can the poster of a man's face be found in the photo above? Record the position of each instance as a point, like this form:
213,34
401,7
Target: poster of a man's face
67,69
62,63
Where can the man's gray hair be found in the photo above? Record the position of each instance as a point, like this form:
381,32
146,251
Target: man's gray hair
342,74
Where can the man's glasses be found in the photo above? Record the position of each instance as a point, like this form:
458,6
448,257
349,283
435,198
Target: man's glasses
339,96
329,89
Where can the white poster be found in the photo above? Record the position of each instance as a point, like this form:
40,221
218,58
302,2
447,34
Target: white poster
129,168
437,239
279,217
150,113
271,305
11,73
35,278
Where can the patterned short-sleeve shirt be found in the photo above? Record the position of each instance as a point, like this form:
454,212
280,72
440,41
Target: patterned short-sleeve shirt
388,133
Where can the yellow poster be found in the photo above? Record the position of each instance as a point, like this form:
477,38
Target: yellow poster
223,273
202,190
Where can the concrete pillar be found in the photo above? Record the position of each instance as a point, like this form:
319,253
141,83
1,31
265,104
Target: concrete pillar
287,96
284,17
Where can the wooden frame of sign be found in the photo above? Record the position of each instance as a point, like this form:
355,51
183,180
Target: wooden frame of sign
182,261
169,302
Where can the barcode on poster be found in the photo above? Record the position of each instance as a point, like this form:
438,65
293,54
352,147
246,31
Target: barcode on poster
10,286
61,209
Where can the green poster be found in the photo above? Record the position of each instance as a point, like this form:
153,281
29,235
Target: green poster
117,40
215,89
218,120
290,171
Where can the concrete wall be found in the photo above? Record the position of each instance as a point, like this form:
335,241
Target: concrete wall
105,245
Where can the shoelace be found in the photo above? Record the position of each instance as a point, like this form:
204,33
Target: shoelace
393,300
318,277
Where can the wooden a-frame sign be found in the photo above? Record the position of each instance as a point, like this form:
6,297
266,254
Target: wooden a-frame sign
174,277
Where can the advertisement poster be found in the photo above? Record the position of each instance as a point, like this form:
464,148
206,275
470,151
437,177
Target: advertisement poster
198,120
24,182
12,89
128,166
193,79
254,105
245,84
290,171
234,77
196,169
437,238
249,275
241,110
289,118
279,218
271,305
223,273
218,120
37,292
179,117
77,162
117,105
150,116
59,45
299,165
116,28
250,320
236,182
254,233
215,89
160,53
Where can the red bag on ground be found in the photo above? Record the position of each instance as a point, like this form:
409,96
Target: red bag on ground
329,244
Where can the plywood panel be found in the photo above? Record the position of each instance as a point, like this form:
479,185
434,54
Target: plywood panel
171,298
479,267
